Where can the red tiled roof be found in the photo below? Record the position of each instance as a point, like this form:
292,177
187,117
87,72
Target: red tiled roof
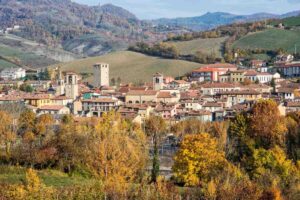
142,93
164,95
218,85
52,107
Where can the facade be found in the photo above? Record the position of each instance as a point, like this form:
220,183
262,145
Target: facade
237,76
141,96
288,69
71,88
236,97
101,74
214,88
97,106
13,73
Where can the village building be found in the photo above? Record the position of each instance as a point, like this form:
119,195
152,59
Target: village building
211,72
98,106
56,110
239,96
12,73
141,96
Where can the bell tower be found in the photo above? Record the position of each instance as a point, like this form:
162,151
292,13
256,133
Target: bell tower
158,81
71,80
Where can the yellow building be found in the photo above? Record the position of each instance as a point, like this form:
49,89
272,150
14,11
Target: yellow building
39,100
237,76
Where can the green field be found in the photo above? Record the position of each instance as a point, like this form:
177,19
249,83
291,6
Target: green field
206,45
288,22
55,178
131,66
270,39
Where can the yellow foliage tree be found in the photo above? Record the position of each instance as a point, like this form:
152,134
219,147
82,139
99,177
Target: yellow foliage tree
7,136
198,160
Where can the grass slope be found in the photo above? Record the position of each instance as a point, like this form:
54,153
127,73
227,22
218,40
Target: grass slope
131,66
206,45
289,22
16,175
270,39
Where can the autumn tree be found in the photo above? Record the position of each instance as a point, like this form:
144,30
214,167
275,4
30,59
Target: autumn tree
7,135
198,160
266,125
155,127
26,121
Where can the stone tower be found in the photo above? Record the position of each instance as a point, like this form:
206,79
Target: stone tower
101,74
71,80
158,81
60,83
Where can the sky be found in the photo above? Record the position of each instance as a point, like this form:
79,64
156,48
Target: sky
153,9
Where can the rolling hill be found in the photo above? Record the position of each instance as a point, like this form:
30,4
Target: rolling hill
131,66
206,45
213,19
270,39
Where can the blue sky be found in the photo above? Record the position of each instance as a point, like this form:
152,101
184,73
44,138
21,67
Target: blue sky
152,9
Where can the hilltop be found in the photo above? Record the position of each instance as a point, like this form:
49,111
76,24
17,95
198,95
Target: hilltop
212,20
59,22
131,66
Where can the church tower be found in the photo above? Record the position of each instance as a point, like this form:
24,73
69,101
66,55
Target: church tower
101,74
158,81
71,80
60,83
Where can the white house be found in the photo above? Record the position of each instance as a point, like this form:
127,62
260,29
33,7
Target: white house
213,88
13,73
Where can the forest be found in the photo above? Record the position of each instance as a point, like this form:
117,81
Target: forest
254,155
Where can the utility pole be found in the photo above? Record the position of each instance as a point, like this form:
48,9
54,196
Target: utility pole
295,49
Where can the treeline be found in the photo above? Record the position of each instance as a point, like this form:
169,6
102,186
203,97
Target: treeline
254,156
164,50
234,30
167,50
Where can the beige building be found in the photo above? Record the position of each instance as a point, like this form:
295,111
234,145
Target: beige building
141,96
101,74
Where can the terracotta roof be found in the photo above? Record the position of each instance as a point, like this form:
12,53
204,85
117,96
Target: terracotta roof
218,85
52,107
251,73
286,90
212,104
164,95
37,96
237,92
60,98
142,93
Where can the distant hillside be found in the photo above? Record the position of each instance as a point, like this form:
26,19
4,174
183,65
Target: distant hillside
212,20
207,45
57,22
270,39
132,67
